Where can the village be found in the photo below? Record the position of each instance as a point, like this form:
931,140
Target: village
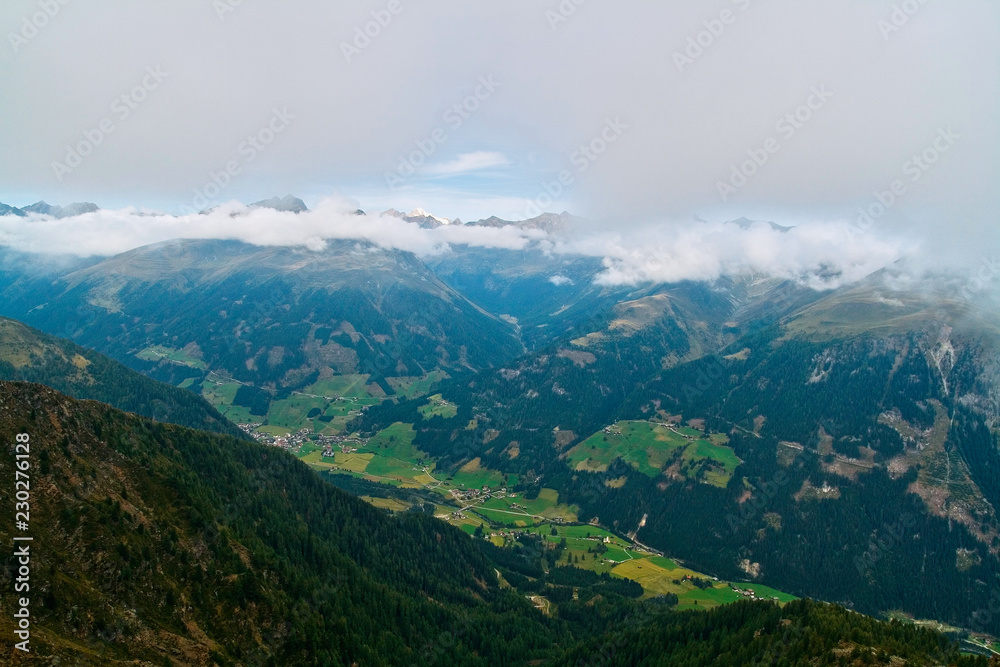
294,441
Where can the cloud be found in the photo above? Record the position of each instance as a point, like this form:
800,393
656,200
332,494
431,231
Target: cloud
109,232
819,254
467,162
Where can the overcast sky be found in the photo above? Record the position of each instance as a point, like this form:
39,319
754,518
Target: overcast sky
668,98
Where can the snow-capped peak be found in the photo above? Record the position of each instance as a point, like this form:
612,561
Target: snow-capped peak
421,213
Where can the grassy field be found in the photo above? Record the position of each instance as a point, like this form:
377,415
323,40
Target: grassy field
473,476
656,577
174,356
324,407
596,549
394,456
413,387
521,512
220,393
436,405
653,448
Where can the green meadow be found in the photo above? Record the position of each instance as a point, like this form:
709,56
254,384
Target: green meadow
438,406
652,448
174,356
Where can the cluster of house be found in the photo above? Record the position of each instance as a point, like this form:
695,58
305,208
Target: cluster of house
290,441
345,445
482,494
293,441
749,594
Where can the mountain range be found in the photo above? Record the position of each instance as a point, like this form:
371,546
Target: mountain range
838,445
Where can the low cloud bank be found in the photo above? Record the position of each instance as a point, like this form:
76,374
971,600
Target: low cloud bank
821,255
818,254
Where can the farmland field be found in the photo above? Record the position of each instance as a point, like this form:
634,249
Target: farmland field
655,449
325,407
438,406
413,387
174,356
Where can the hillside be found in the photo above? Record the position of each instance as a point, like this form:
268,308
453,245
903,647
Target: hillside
153,541
831,438
276,319
29,355
155,544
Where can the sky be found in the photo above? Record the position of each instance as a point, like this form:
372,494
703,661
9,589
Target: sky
878,117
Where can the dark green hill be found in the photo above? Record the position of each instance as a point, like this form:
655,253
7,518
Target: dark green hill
29,355
153,541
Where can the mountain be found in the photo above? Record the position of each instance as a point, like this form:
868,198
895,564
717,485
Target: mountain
852,433
866,426
6,209
419,217
29,355
155,544
279,319
577,381
750,427
553,223
68,211
545,294
165,543
287,203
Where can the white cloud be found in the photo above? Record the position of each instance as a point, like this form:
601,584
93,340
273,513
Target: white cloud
467,162
820,254
109,232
